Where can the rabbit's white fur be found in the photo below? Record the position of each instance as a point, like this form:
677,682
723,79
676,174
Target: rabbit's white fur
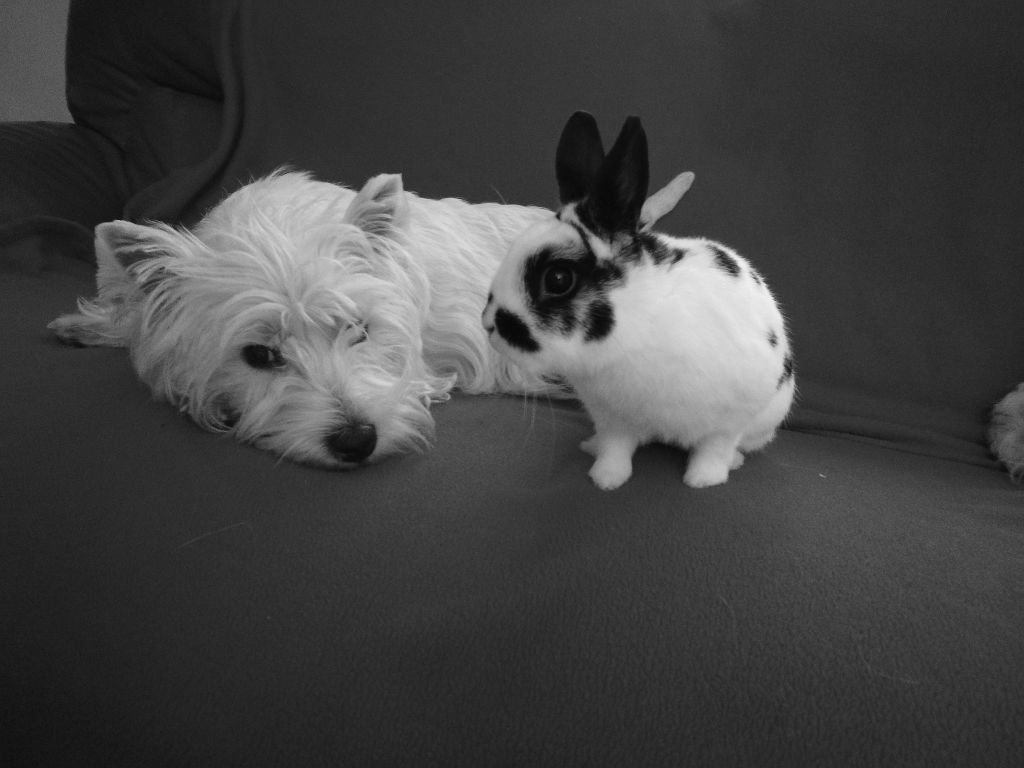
665,339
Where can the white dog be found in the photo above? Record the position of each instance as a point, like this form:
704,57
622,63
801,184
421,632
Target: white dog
311,320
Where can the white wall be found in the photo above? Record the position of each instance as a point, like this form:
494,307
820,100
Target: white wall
32,60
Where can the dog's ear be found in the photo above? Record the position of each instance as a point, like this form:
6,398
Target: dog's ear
664,200
380,206
119,246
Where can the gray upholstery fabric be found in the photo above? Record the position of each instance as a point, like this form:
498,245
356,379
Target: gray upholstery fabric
852,596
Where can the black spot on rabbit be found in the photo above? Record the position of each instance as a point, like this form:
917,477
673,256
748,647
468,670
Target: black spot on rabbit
725,261
515,331
787,371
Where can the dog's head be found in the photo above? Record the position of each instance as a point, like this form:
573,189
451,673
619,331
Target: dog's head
291,316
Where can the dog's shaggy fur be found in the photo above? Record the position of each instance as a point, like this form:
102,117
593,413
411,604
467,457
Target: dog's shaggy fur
309,319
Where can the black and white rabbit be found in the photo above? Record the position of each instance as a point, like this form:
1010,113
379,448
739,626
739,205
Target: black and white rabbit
664,339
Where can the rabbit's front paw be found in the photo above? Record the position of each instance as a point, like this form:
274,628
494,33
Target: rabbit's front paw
609,473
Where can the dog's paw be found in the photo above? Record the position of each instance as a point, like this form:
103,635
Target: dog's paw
78,330
70,330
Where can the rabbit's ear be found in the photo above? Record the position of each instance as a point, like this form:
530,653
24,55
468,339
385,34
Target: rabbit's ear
618,193
664,200
578,157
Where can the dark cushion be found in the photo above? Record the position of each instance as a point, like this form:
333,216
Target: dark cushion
55,171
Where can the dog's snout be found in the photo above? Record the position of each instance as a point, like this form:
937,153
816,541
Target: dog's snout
352,443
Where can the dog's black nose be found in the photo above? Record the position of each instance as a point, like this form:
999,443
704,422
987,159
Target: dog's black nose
352,443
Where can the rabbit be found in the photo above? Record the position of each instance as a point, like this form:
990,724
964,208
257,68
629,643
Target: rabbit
664,339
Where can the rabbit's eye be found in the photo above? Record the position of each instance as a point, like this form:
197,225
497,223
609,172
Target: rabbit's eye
558,280
262,357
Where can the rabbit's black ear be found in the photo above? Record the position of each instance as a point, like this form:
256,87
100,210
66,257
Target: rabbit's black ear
578,157
620,188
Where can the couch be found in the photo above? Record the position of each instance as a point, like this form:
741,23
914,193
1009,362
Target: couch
852,596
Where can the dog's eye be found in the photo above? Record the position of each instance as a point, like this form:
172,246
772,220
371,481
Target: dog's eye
558,280
262,357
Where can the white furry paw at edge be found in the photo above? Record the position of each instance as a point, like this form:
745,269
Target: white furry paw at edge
1006,432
